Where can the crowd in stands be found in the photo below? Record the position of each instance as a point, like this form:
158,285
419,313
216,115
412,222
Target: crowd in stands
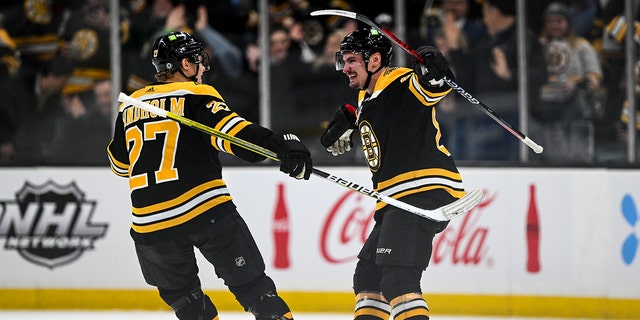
56,104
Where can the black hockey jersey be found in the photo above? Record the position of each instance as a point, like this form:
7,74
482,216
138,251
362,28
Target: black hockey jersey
401,140
175,175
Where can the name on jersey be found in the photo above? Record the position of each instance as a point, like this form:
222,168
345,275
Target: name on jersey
133,114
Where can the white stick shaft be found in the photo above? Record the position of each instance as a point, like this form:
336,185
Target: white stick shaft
141,104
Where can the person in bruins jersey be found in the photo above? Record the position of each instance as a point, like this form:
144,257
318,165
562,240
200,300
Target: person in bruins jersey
179,200
396,119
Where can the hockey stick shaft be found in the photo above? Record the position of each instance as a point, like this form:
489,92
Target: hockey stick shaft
483,107
445,213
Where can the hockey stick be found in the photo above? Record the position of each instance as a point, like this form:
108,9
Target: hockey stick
484,108
445,213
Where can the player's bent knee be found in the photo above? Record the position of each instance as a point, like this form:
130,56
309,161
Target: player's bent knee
195,306
397,281
271,307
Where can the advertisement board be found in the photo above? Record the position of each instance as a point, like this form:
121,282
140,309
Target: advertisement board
555,234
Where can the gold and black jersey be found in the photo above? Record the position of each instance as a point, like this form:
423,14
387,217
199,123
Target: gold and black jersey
174,172
34,27
401,139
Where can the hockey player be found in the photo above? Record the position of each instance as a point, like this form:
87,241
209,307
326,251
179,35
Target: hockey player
179,200
396,119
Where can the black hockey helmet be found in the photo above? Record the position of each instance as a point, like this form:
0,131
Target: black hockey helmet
171,48
365,41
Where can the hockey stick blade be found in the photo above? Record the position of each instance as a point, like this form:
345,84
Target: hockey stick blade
484,108
462,205
445,213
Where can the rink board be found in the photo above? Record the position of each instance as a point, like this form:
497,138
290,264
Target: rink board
64,242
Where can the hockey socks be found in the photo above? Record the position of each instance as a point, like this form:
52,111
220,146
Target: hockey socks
411,306
371,306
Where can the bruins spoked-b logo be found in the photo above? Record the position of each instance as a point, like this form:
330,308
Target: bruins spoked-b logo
370,146
49,224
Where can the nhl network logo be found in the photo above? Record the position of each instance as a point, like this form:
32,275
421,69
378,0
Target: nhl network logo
49,224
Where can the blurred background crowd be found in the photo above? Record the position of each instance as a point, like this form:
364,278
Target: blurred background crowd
56,83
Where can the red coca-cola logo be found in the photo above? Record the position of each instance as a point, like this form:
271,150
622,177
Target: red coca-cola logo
350,220
346,227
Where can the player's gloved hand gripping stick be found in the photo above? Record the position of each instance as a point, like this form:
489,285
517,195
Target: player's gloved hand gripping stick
343,13
444,213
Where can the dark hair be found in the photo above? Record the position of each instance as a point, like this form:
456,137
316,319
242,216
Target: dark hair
507,7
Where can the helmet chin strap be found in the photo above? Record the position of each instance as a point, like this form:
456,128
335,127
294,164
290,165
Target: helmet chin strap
193,77
369,74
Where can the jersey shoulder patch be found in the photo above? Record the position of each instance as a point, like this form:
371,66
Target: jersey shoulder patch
216,106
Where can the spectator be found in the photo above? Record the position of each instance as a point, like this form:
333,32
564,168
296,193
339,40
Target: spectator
35,32
286,65
86,41
586,19
280,46
489,71
572,91
84,124
614,66
29,104
298,40
9,64
458,31
182,17
226,55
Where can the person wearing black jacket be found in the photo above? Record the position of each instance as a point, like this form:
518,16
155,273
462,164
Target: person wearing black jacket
489,71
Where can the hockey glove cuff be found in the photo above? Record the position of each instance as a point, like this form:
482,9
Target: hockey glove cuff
295,158
344,119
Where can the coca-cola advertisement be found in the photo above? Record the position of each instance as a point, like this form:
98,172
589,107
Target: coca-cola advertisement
317,228
560,233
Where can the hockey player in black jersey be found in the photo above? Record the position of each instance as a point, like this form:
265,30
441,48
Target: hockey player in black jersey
396,119
179,200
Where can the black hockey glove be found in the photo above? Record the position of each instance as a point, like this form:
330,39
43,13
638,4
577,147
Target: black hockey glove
434,68
295,158
337,137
